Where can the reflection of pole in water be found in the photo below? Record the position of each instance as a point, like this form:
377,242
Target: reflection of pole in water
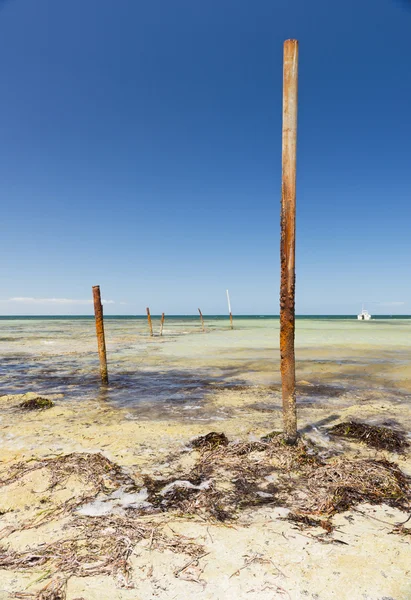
161,323
101,342
150,325
229,309
288,195
201,319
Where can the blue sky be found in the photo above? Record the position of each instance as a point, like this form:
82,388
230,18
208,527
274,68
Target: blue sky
140,149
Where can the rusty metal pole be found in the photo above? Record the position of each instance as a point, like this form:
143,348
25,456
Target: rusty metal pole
288,195
161,323
201,319
150,325
101,342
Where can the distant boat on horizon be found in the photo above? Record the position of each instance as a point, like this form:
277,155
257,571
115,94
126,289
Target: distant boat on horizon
364,315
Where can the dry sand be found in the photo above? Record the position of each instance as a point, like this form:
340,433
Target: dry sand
260,555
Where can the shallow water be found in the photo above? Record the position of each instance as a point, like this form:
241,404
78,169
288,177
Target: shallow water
340,360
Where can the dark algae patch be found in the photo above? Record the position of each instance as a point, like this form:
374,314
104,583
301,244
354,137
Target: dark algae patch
210,441
381,438
37,403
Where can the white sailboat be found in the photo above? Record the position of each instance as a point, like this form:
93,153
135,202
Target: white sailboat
364,315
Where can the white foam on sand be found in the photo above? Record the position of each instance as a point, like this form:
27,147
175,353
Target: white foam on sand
115,503
180,483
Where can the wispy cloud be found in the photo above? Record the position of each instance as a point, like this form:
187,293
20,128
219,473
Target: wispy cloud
25,300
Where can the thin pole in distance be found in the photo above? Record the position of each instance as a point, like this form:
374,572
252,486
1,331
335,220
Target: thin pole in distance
150,324
201,319
229,310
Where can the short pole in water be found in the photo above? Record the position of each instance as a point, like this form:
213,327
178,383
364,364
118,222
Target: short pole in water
201,319
150,325
101,342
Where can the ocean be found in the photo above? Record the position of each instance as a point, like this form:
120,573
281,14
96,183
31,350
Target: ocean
337,356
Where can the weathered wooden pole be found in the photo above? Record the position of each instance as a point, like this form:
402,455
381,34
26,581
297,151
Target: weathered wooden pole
201,319
161,323
150,325
288,195
101,342
229,310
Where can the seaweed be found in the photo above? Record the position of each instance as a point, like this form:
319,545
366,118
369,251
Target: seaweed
381,438
247,447
93,552
210,441
306,521
227,478
343,483
269,436
96,473
37,403
240,475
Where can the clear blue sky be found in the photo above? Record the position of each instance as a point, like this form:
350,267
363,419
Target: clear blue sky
140,149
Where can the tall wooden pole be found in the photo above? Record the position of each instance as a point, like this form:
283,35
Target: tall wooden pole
150,325
101,343
201,319
229,310
161,323
288,195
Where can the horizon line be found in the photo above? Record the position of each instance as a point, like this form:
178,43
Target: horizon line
240,315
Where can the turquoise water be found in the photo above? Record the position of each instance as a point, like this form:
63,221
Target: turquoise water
180,370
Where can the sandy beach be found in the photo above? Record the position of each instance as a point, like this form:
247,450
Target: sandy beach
173,173
103,495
